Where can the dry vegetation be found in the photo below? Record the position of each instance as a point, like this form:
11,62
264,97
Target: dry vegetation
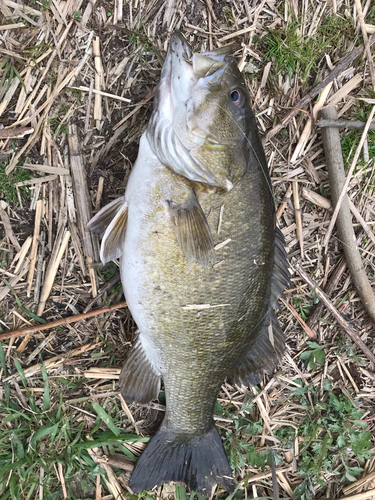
77,81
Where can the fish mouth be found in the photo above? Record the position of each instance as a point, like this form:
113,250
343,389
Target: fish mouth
205,64
186,69
177,140
180,46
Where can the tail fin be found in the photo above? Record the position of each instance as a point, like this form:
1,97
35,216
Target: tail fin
200,462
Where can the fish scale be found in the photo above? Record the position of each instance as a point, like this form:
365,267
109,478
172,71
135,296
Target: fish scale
198,323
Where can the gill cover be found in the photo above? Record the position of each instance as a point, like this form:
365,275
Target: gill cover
196,129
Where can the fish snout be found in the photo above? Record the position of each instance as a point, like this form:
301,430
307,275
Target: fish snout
180,47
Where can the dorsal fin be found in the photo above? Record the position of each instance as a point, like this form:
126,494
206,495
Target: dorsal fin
280,274
263,350
111,220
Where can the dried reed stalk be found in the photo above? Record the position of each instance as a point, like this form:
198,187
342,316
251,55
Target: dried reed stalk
361,496
8,229
34,247
348,329
21,255
338,183
304,137
98,80
284,202
60,246
361,220
82,199
33,138
298,215
366,42
316,198
304,325
329,289
345,90
59,322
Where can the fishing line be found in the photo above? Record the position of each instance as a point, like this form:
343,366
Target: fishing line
253,150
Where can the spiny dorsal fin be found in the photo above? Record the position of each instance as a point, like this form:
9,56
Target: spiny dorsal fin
264,350
280,274
111,220
192,230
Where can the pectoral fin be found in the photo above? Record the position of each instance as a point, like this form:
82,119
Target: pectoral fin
192,230
111,220
99,223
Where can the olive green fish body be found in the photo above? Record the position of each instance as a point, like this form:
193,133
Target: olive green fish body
196,347
202,262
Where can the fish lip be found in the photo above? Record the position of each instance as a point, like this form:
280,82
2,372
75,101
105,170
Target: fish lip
178,41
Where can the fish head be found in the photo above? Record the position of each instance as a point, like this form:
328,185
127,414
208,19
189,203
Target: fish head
202,115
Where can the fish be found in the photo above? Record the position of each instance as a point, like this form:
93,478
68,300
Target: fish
202,262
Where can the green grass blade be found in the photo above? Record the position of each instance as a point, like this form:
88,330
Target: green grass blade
180,492
3,360
105,439
14,488
18,446
21,372
15,416
46,398
106,418
41,433
32,315
10,77
20,78
126,452
32,488
13,465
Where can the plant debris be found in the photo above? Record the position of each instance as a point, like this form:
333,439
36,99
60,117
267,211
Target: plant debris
77,78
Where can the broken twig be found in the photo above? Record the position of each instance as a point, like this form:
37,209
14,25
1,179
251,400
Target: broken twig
336,173
349,330
62,321
352,124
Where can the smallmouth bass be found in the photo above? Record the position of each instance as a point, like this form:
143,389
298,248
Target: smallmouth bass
202,262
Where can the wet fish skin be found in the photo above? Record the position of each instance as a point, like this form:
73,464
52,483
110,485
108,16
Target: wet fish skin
172,205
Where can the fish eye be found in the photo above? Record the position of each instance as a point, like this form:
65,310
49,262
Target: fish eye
235,96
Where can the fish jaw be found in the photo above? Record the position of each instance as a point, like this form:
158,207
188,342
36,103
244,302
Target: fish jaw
177,78
195,129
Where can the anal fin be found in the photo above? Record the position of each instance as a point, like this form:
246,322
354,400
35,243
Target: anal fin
192,230
139,380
